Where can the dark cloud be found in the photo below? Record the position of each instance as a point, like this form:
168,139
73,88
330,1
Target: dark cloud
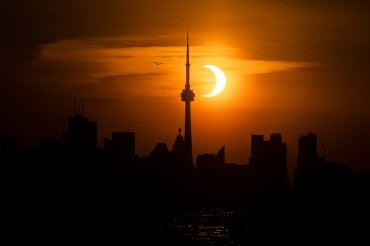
25,25
310,30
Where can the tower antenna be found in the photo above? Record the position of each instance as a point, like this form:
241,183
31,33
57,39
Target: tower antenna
187,96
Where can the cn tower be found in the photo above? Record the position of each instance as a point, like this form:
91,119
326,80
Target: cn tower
187,96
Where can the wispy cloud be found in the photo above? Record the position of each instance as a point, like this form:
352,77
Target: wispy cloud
116,65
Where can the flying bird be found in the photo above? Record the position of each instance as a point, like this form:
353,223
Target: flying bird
158,63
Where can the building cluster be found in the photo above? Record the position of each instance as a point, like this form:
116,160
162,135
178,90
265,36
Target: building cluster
166,171
71,185
78,162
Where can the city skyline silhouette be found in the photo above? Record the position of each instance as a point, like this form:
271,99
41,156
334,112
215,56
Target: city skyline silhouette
110,133
106,59
157,199
163,198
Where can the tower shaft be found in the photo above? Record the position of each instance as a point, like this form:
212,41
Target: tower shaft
187,96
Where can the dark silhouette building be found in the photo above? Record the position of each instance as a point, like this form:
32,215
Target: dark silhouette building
178,151
270,157
187,96
268,162
224,184
122,145
81,135
317,177
210,177
179,156
210,165
307,151
160,152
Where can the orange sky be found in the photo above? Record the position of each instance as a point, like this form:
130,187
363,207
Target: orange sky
291,68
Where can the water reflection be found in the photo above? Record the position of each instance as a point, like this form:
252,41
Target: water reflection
209,226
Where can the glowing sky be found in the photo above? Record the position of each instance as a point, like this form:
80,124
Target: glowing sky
291,67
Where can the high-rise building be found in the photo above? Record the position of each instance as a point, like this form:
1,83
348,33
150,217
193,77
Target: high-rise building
160,151
187,96
178,151
81,134
269,158
124,143
307,151
208,164
121,146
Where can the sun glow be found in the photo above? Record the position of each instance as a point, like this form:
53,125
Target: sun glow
220,81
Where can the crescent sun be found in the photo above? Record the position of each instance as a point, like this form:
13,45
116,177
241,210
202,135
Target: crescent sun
220,81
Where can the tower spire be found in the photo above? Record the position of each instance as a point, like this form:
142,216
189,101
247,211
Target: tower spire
187,96
187,85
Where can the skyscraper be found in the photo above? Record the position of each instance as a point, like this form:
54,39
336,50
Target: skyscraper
307,151
187,96
269,159
81,134
121,147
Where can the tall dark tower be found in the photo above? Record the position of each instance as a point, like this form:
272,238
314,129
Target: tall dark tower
187,96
